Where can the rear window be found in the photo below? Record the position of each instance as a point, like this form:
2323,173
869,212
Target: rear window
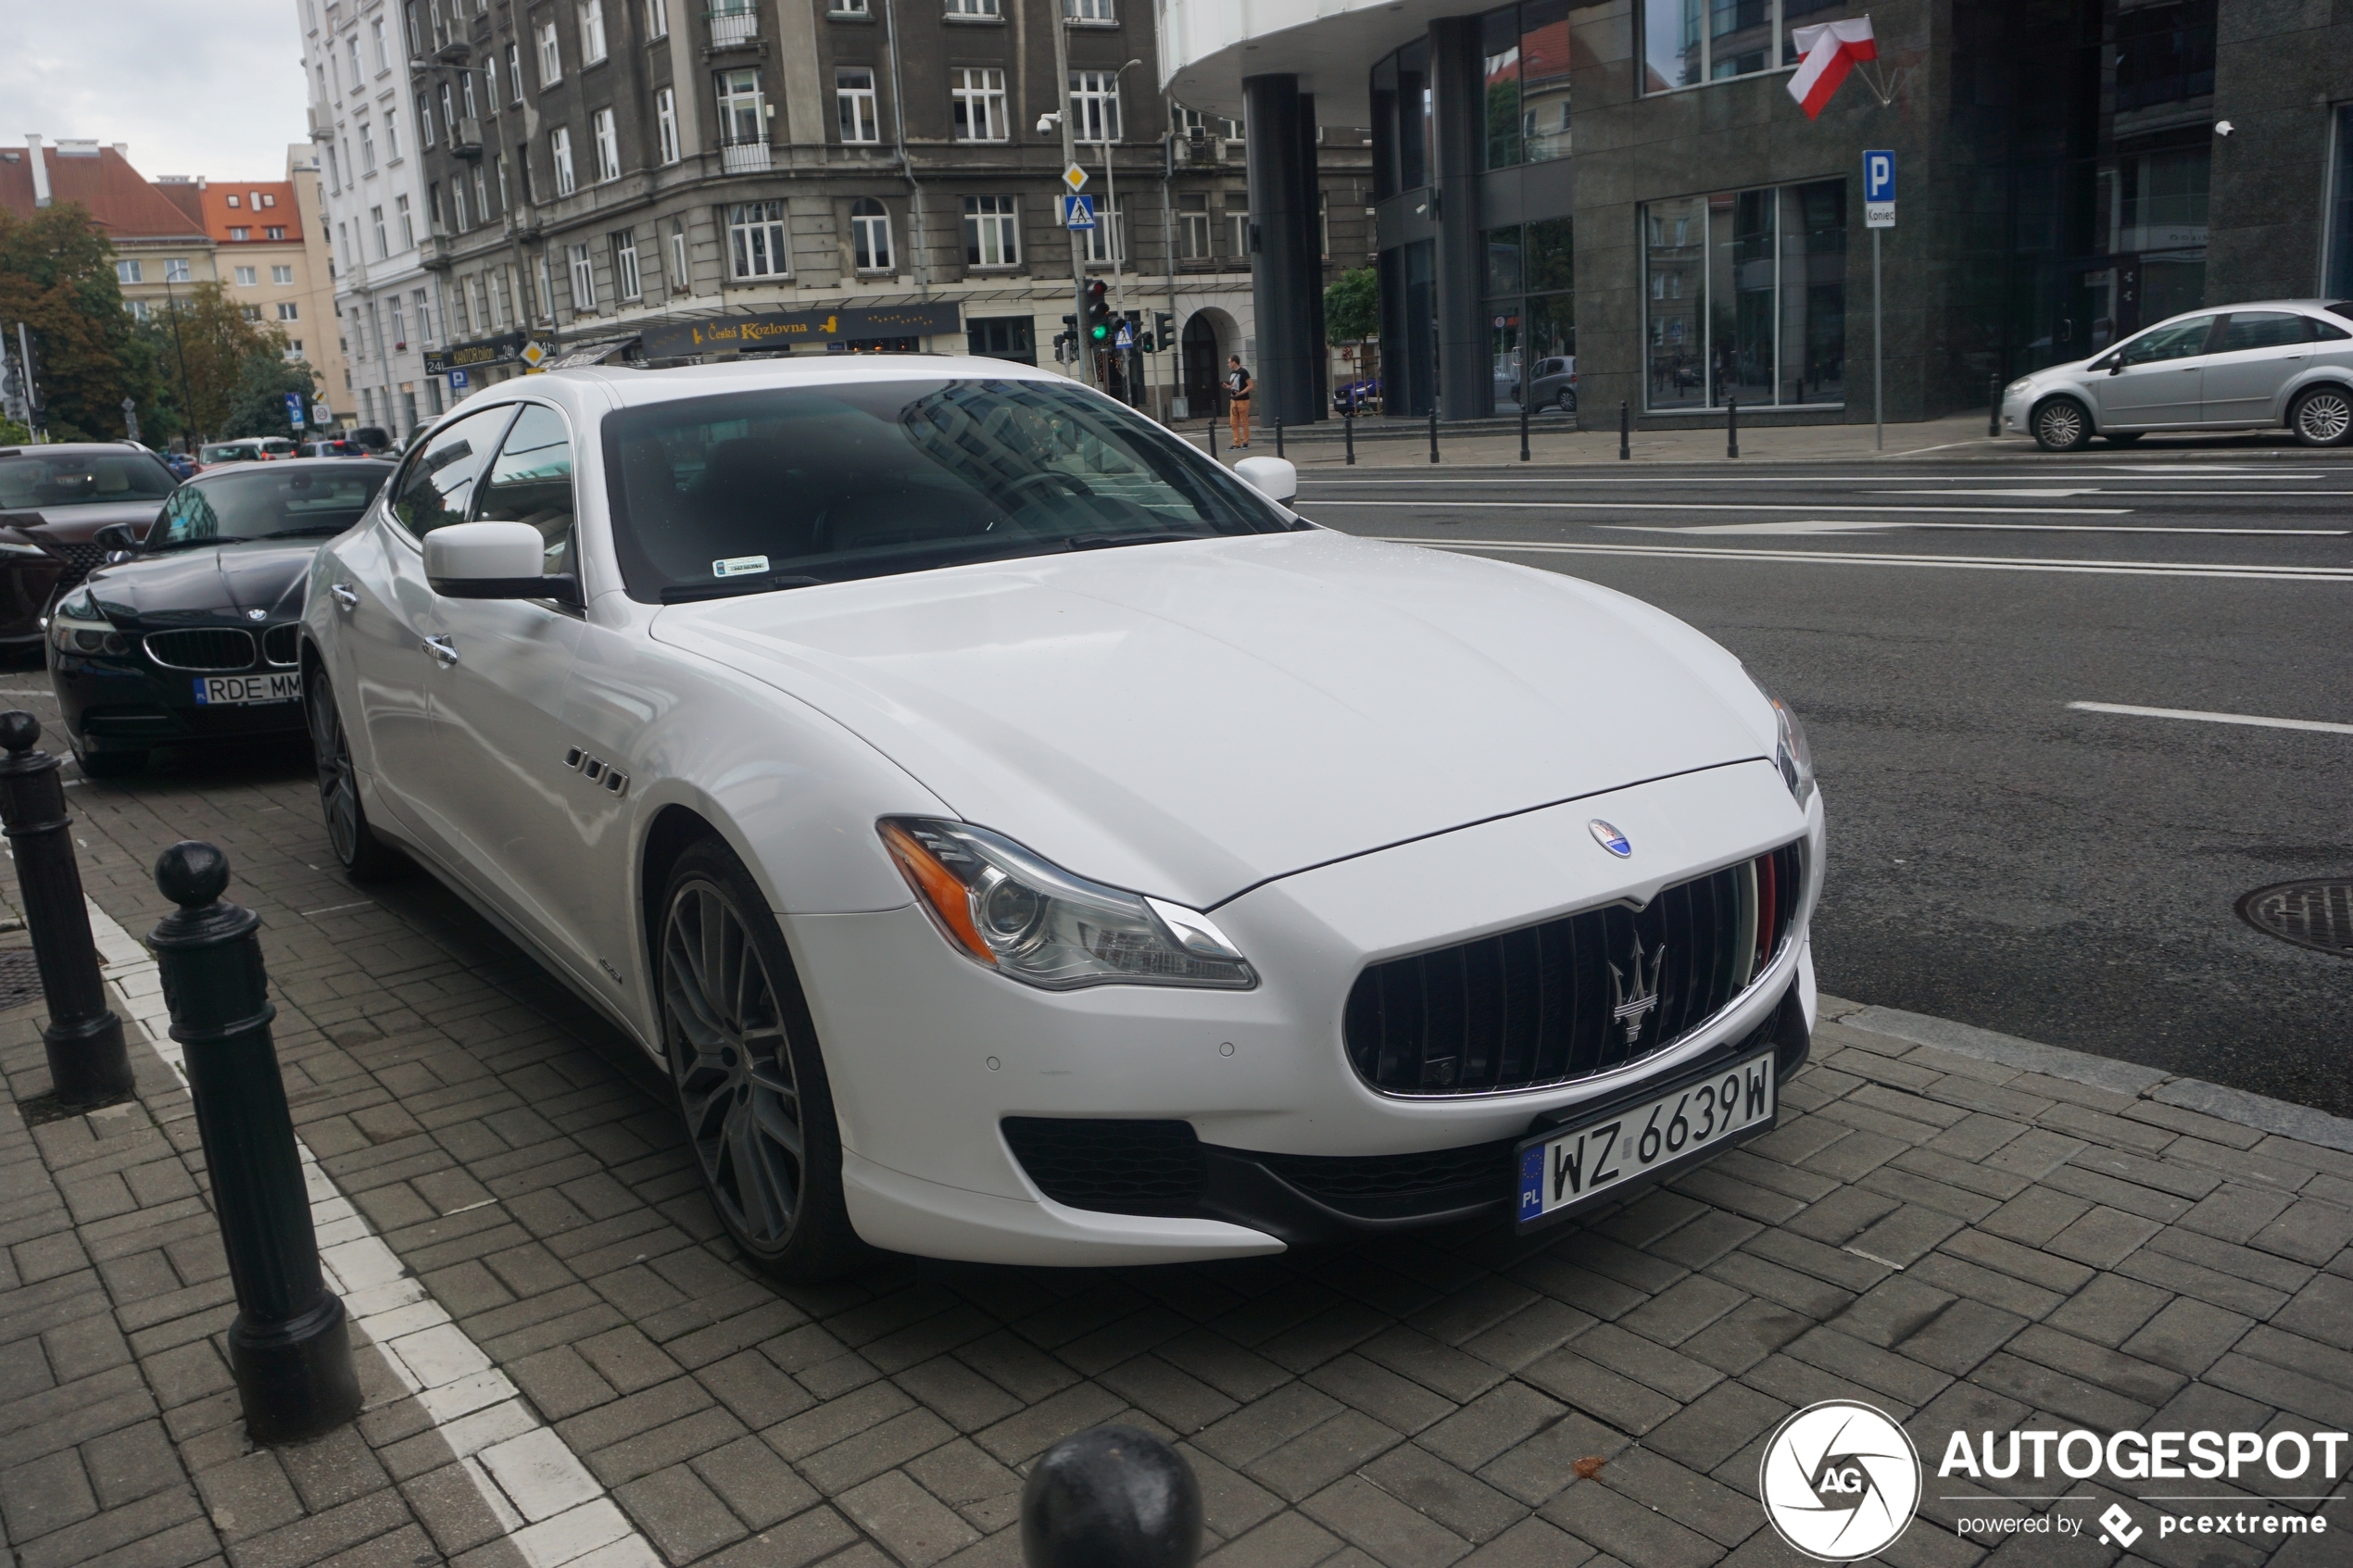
82,479
2343,308
788,485
277,501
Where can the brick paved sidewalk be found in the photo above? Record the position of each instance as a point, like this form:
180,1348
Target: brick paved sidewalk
1967,1233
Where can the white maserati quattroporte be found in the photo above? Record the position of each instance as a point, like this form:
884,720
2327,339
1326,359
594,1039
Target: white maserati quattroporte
1024,839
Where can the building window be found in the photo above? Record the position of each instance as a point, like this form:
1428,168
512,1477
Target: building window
584,281
367,149
1003,337
138,308
992,231
376,219
352,45
677,255
240,233
756,237
514,71
1094,105
457,202
126,272
1192,226
592,31
869,235
407,223
1097,11
854,104
466,93
657,19
1108,238
981,104
846,7
281,275
490,77
1530,306
741,119
246,276
608,144
424,318
1746,298
288,311
2339,284
551,59
666,123
1237,225
448,113
424,119
273,232
482,194
383,56
973,7
559,150
1686,43
399,325
251,312
625,281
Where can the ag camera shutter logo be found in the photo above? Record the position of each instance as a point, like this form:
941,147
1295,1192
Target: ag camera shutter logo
1840,1481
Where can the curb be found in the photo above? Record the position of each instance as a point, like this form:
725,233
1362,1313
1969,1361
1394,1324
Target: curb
2259,1111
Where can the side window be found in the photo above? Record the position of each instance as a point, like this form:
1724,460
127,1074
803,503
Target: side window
2260,329
2324,332
2180,341
439,482
532,482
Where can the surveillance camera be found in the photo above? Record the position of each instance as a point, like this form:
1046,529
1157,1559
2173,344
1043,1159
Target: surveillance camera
1046,121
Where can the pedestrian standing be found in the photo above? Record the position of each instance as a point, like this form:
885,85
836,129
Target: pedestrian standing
1238,385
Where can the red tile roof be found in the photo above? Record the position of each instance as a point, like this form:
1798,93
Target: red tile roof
121,200
219,217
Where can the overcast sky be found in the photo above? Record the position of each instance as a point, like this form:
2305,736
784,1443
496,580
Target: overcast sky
213,89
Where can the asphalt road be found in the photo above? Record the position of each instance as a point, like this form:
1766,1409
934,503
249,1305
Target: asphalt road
1997,856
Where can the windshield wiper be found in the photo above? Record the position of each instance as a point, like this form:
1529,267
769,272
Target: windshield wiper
1109,541
688,593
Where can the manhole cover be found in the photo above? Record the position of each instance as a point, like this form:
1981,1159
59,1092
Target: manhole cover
2311,914
20,977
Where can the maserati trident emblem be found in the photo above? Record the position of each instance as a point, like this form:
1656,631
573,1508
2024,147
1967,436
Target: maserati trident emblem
1609,838
1633,997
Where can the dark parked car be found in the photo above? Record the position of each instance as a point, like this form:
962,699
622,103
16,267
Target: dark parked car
51,500
181,464
191,636
1356,395
376,438
333,447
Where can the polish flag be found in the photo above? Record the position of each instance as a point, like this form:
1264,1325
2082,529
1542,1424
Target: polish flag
1827,53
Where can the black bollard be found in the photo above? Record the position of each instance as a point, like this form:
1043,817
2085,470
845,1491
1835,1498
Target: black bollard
1523,424
288,1348
1732,428
1278,436
88,1064
1433,429
1625,431
1212,430
1993,404
1348,431
1111,1496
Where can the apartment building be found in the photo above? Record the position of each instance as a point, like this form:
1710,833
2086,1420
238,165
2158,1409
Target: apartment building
160,247
599,173
262,259
360,70
321,335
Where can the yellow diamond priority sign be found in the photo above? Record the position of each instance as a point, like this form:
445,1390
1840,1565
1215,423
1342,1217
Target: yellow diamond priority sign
1075,178
532,354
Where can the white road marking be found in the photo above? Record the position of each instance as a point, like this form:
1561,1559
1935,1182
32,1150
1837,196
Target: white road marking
1593,475
1843,557
1730,506
2203,718
2054,495
553,1510
1835,525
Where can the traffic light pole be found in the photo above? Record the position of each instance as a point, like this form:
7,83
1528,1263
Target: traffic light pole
1069,158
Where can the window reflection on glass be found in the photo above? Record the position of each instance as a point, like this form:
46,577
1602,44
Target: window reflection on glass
1675,237
1503,262
1499,48
1413,116
1744,296
1740,296
1551,261
1672,52
1543,80
1813,290
1739,37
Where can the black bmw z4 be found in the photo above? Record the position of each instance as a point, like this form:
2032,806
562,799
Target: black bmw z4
188,635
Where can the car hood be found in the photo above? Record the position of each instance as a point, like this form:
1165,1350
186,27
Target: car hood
1189,719
198,582
74,525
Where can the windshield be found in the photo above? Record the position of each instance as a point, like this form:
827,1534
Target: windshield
271,503
82,479
788,485
233,452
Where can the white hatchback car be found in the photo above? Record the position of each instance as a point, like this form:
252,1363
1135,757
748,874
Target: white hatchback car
1025,841
2262,365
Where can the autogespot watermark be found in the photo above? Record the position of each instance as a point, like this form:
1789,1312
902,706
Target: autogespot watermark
1840,1481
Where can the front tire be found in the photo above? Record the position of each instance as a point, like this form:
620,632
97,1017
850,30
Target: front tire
751,1083
2062,425
364,856
1566,401
2323,417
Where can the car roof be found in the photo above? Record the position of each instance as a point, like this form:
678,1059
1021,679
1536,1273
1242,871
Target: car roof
621,386
340,465
75,448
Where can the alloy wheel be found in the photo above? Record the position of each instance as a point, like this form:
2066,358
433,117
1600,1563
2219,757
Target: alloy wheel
2061,426
1568,401
338,786
2324,417
733,1067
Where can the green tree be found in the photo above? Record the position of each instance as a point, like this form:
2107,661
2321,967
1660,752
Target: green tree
1352,306
56,276
201,347
258,401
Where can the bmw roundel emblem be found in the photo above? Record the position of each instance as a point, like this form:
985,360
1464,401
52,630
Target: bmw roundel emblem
1609,838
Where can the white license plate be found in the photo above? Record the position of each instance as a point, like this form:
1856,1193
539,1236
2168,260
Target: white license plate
1569,1167
245,691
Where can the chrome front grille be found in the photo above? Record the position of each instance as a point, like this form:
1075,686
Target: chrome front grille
202,647
1574,996
282,645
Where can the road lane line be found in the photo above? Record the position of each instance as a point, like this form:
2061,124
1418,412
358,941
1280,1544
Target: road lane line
1836,525
1728,506
2203,718
1842,557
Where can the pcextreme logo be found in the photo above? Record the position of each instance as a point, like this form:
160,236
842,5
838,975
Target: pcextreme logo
1840,1481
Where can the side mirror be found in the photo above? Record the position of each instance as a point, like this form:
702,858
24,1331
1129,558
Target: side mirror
1275,478
493,560
117,539
2115,366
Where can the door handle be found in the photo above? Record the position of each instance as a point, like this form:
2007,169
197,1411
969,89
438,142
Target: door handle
442,650
345,596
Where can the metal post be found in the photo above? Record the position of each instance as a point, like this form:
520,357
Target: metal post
1625,431
1278,436
87,1062
1111,1496
1879,363
1524,386
1070,156
288,1348
1732,428
1993,404
1213,426
1433,429
1348,429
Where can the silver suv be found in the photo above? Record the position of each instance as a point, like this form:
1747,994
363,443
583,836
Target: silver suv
2252,367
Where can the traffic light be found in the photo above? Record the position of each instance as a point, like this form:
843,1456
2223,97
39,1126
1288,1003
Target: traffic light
1163,333
1097,313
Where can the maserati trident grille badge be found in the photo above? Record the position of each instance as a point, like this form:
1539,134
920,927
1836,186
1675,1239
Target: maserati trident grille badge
1609,838
1633,996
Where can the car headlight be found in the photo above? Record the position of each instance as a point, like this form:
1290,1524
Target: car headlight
1007,908
1792,755
2017,387
79,626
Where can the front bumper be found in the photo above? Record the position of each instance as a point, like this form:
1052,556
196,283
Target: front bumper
932,1058
119,705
